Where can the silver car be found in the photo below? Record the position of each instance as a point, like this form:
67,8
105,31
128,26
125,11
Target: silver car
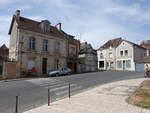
61,71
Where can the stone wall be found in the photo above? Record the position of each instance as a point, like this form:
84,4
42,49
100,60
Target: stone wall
13,42
9,70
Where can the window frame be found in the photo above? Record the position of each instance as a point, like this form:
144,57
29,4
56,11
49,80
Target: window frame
110,55
45,45
121,53
126,52
57,47
128,63
119,64
32,43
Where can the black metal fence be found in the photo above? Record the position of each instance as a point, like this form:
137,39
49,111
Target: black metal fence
20,102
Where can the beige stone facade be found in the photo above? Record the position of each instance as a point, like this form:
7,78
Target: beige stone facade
73,51
45,51
73,48
34,58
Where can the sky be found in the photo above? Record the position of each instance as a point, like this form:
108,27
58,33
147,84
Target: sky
94,21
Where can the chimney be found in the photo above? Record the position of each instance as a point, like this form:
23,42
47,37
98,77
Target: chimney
58,26
17,14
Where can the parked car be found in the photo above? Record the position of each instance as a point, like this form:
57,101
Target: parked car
61,71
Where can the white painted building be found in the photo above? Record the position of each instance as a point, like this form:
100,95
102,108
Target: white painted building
128,55
107,54
124,55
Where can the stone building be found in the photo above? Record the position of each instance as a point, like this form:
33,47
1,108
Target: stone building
146,44
146,59
37,44
87,58
73,52
120,54
4,51
73,49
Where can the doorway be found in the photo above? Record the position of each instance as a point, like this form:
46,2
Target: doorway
124,64
101,64
44,65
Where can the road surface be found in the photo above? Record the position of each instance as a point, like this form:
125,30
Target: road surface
33,92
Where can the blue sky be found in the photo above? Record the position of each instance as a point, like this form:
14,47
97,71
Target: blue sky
94,21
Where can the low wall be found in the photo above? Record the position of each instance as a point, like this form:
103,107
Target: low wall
9,70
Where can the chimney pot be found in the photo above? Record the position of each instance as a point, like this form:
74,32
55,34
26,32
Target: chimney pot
58,26
17,14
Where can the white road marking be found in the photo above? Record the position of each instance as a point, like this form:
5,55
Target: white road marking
62,87
43,81
66,91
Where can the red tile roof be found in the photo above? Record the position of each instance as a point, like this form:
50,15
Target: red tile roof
113,43
31,25
146,45
4,51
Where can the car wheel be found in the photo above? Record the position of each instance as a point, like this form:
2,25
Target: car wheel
57,74
68,73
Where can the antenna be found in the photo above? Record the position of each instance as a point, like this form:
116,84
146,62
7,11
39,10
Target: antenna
79,36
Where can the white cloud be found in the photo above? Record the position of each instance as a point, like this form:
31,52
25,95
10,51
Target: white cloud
4,27
133,12
25,7
37,18
4,39
93,19
5,1
102,32
5,23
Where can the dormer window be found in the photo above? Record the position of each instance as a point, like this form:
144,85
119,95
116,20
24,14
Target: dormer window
45,25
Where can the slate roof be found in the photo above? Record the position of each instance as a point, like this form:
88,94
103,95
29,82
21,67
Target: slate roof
66,34
4,47
116,42
135,44
86,48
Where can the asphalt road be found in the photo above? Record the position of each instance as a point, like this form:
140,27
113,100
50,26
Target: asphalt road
33,92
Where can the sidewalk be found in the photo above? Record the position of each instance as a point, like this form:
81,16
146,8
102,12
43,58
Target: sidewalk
108,98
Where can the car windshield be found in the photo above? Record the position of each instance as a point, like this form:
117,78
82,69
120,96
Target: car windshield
63,69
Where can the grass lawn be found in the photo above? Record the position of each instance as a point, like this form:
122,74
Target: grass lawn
141,96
